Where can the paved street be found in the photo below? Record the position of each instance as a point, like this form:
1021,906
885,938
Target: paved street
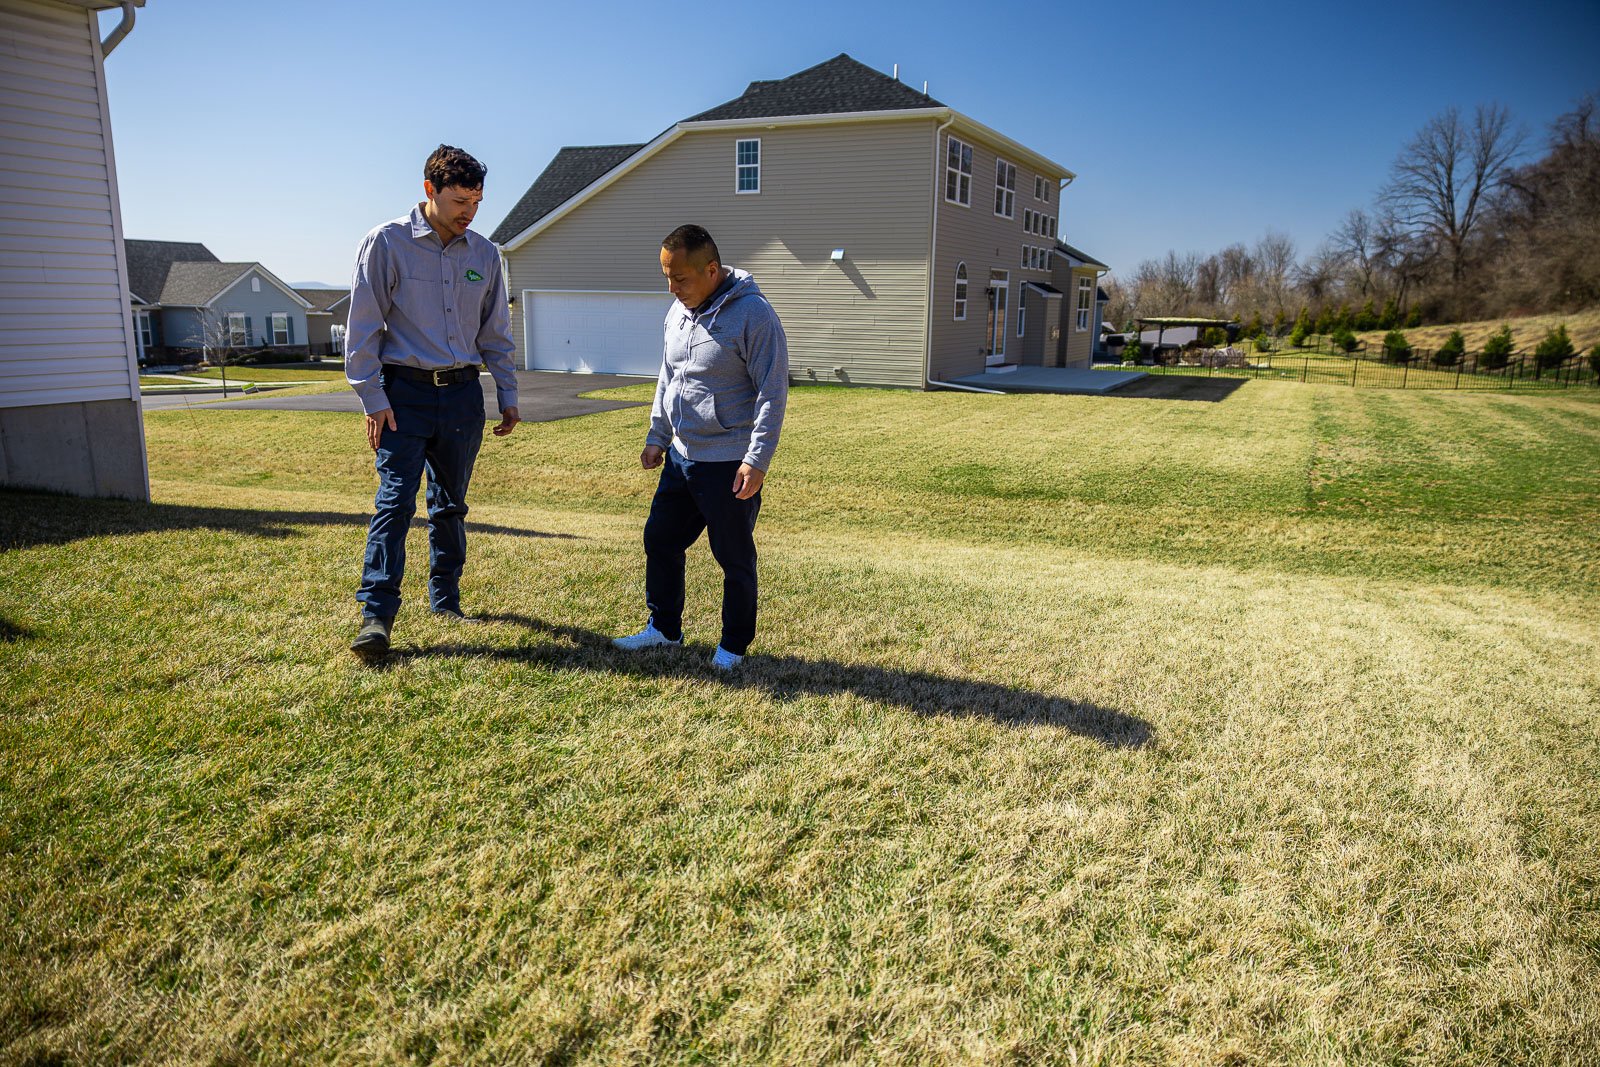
545,397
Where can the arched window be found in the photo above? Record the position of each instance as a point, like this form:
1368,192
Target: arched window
961,292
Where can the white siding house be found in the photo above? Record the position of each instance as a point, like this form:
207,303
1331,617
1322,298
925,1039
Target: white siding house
70,418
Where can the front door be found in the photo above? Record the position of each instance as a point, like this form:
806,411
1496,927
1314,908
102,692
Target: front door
999,290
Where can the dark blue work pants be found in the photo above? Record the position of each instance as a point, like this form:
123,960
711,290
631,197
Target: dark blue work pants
438,430
692,497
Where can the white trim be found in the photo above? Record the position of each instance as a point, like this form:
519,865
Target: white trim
272,328
961,297
739,167
964,155
1039,288
1001,192
103,92
949,118
995,357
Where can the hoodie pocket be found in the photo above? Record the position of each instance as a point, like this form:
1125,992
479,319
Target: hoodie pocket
702,405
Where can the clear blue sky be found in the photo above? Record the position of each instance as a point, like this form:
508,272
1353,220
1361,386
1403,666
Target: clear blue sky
282,132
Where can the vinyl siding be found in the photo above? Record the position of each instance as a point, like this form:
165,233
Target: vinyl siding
65,330
984,241
864,188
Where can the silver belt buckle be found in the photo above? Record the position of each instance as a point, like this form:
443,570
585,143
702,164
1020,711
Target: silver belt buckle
437,383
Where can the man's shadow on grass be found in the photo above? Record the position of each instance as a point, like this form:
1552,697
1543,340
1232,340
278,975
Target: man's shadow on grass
572,647
31,519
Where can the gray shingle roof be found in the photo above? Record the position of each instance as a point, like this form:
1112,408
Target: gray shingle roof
841,84
149,261
322,299
1088,260
568,173
195,284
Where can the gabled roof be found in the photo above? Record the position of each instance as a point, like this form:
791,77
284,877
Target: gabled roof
571,171
841,84
840,90
322,300
198,284
149,261
1085,260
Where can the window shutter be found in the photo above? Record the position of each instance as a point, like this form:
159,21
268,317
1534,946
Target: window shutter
247,331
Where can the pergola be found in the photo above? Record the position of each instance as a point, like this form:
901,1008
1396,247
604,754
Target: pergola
1162,323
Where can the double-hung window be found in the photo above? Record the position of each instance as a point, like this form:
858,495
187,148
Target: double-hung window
1022,311
958,173
238,330
146,336
747,166
1005,189
1027,219
1085,301
280,328
961,292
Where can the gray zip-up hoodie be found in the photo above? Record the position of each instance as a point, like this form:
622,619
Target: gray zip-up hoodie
724,378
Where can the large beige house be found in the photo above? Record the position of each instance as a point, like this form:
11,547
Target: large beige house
902,242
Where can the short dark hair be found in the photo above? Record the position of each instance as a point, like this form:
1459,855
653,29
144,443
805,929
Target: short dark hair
695,241
451,166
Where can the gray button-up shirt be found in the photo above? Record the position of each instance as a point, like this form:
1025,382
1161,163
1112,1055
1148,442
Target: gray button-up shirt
420,303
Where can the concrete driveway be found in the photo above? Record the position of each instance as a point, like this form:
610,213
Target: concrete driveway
544,396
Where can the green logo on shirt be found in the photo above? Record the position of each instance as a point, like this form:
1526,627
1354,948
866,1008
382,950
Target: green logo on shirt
473,276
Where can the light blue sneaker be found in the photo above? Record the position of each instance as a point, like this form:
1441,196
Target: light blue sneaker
723,660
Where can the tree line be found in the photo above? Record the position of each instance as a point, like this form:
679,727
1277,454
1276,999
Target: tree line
1459,231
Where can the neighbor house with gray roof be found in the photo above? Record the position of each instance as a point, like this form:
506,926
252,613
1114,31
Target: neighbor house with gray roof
902,242
325,319
188,304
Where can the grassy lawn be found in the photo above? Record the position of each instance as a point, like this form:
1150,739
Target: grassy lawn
249,373
1078,730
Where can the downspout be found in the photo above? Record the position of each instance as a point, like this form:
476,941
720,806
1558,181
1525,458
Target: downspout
933,248
122,30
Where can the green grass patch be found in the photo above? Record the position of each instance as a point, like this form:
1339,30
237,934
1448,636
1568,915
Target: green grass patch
1087,730
249,373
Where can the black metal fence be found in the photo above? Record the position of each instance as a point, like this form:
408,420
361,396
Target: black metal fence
1422,369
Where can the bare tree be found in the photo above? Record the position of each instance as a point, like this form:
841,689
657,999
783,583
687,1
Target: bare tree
1274,257
220,341
1440,184
1355,243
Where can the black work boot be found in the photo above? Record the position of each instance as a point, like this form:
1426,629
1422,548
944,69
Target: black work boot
372,640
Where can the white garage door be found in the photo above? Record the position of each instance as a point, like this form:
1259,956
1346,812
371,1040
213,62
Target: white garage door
608,333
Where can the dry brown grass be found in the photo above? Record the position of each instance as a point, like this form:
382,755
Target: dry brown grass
1081,731
1526,332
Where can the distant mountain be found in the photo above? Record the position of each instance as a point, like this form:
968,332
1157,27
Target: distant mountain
315,285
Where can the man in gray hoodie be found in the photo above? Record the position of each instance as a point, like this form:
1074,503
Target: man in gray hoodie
713,429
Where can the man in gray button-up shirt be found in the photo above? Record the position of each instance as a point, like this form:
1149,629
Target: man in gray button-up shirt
427,313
